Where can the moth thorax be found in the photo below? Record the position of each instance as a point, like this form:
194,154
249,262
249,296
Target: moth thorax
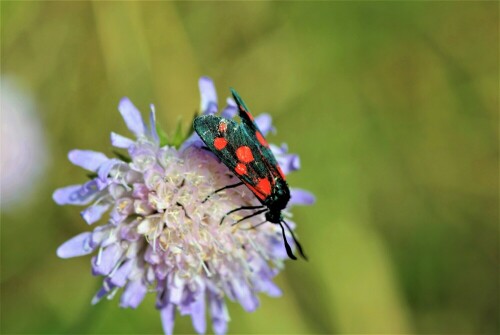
273,216
279,197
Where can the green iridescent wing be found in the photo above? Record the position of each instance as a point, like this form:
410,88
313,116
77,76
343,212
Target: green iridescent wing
232,144
248,121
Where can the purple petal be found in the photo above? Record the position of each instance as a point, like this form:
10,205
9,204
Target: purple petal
129,232
301,197
263,281
278,250
77,194
116,216
151,256
119,277
193,141
143,156
101,235
167,314
208,96
264,123
120,141
198,313
187,301
176,291
116,191
124,206
231,103
161,297
244,295
76,246
132,117
106,168
161,271
63,195
230,110
268,287
219,314
94,213
288,162
87,159
105,261
140,191
152,124
103,291
133,295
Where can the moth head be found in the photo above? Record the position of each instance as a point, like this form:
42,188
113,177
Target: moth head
273,216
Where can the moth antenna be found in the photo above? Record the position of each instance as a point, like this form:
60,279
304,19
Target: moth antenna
295,240
287,246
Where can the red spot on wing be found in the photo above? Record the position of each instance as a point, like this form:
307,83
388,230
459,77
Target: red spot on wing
222,127
250,116
264,186
220,143
255,191
241,169
244,154
261,139
281,172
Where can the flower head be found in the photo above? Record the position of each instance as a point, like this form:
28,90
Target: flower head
161,236
24,148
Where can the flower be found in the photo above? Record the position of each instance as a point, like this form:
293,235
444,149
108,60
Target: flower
24,150
161,236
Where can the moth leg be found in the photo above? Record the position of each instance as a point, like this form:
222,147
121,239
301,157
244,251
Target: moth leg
184,209
222,189
255,226
240,209
250,216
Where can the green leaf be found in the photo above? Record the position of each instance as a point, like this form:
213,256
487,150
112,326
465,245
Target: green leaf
191,129
180,136
92,175
162,135
121,156
177,139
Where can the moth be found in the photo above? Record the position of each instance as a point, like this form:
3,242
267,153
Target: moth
245,151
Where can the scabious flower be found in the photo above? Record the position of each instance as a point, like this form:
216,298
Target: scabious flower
24,151
160,235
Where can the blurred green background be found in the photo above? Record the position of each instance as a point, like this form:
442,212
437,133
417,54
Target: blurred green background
392,106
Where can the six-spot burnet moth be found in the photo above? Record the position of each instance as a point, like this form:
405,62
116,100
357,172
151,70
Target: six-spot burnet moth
245,151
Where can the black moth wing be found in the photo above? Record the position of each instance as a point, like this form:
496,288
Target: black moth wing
209,128
243,111
247,120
